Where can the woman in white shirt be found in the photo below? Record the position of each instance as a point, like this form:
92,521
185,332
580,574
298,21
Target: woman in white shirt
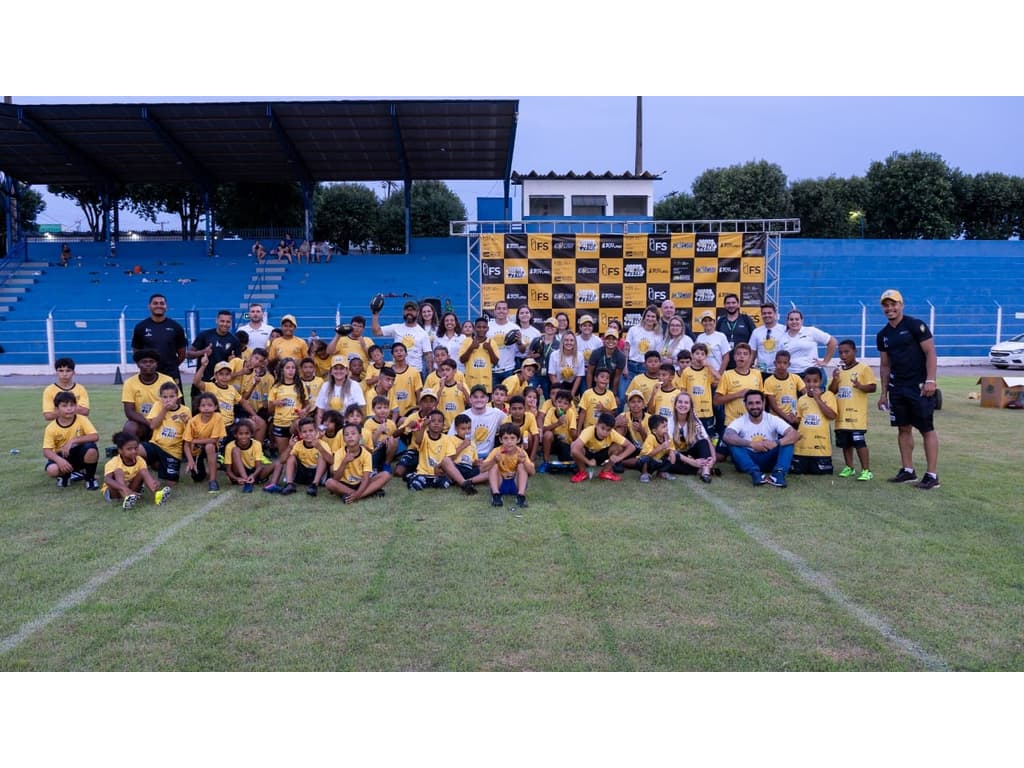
640,340
675,341
802,344
527,333
338,391
566,366
450,337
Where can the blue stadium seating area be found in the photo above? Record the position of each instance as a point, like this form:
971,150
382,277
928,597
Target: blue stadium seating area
827,279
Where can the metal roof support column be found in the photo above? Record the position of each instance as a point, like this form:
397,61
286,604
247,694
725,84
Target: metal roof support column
508,165
10,212
403,165
208,210
407,198
307,209
108,219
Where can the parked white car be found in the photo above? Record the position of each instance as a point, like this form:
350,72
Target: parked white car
1009,353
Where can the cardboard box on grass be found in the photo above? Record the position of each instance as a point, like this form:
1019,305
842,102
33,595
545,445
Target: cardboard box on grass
1001,391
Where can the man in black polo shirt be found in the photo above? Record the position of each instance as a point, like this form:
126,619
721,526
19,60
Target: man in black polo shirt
736,325
163,334
907,371
219,343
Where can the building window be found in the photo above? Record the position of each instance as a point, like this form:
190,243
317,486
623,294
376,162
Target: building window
630,205
548,205
589,205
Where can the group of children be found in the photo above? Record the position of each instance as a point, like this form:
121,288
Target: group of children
351,422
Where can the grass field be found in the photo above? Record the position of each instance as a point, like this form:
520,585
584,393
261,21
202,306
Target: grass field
827,574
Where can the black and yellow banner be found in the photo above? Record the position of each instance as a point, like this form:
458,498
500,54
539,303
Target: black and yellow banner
617,276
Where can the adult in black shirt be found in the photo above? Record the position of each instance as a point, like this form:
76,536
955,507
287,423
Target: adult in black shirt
735,325
907,370
163,334
219,343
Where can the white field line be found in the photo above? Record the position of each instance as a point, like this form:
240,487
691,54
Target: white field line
824,585
83,593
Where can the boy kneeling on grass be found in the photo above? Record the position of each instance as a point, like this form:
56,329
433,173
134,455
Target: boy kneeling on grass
352,475
125,474
69,444
508,466
594,447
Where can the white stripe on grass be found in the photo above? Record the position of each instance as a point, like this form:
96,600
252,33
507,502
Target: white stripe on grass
824,585
87,590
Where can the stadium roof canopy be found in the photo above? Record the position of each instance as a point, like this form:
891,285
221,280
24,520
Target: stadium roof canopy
208,143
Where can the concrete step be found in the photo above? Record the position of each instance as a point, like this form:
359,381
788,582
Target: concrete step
7,299
261,297
12,289
21,281
35,264
4,308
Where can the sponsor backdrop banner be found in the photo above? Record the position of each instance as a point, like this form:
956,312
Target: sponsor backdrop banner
617,276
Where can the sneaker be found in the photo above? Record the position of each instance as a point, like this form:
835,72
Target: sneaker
76,476
92,484
521,502
848,472
904,477
666,476
130,501
866,474
543,468
496,500
706,477
580,477
645,477
162,495
777,478
758,478
214,486
469,489
607,474
63,481
247,488
288,489
220,458
272,488
311,490
928,482
265,460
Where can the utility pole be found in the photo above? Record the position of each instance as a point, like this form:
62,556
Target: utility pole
639,136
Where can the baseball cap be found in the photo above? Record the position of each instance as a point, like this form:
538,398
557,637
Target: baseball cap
410,303
428,392
611,332
706,314
221,366
529,361
634,393
550,321
479,388
353,356
340,360
289,319
585,319
892,295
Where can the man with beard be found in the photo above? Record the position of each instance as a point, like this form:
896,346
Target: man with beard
735,325
160,333
218,343
258,328
761,443
410,333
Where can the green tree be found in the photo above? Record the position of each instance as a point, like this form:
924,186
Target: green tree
676,206
988,205
147,201
910,195
30,205
754,190
345,213
259,206
88,198
824,206
390,229
434,205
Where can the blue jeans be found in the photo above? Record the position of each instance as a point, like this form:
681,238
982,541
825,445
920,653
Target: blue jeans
749,461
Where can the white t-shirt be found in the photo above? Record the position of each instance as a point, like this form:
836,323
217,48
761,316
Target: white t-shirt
485,427
453,345
765,342
506,355
718,347
416,340
642,341
354,396
803,347
259,337
558,366
589,346
771,427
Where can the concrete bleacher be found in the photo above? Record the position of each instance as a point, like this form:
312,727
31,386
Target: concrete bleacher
965,282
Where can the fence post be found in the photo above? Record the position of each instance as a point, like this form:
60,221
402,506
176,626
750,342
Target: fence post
51,346
122,336
931,317
337,315
999,321
863,326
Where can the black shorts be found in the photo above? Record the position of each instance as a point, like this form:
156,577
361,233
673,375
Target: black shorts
851,438
282,432
561,450
167,467
600,456
76,456
410,459
811,465
908,406
468,471
303,475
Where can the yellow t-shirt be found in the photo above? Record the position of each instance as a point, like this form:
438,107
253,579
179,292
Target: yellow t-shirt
814,433
651,447
852,412
663,403
197,429
433,452
294,348
288,411
507,462
227,397
252,456
55,436
527,429
347,345
407,388
478,364
356,469
168,435
451,402
594,444
645,384
312,387
732,382
260,393
77,390
698,385
564,431
589,402
143,396
130,470
515,384
785,391
305,455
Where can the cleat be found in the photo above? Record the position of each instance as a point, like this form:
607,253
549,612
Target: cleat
469,489
928,482
607,474
272,488
543,468
848,472
666,476
214,486
777,478
265,460
706,477
496,500
866,474
63,481
162,495
247,488
645,477
76,476
92,484
130,501
904,477
580,477
288,489
311,490
521,502
758,478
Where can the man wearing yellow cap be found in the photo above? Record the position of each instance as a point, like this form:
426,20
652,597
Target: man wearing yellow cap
907,371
